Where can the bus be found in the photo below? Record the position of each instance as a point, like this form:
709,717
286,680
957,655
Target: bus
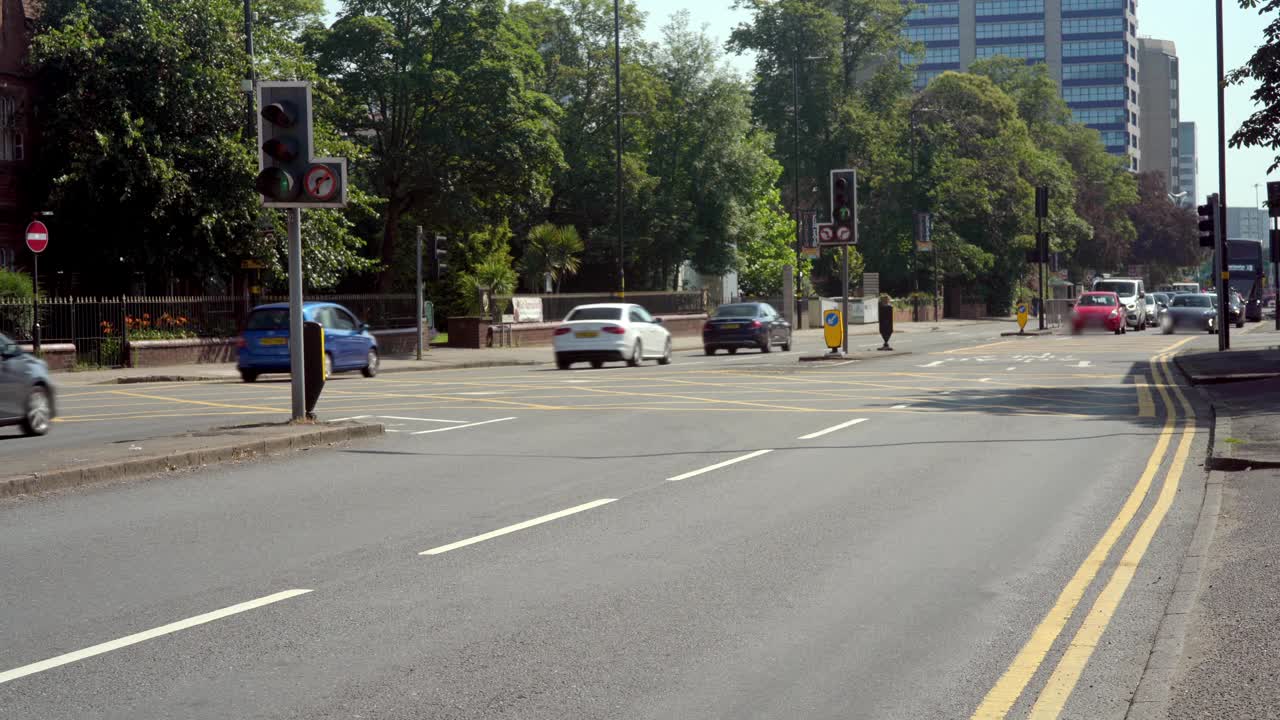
1244,263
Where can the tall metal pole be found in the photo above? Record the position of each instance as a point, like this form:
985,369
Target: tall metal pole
844,298
253,74
35,302
1224,294
296,367
1041,250
418,285
795,156
617,140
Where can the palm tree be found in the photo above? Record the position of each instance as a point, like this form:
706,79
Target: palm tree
552,250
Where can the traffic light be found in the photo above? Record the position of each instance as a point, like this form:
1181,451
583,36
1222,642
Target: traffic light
844,198
1042,201
1208,221
289,176
439,262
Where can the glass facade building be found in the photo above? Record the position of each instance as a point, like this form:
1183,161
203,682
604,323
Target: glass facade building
1090,47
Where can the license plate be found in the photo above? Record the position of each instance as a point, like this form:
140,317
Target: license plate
730,326
273,341
587,334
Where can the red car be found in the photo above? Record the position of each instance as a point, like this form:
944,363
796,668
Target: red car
1098,309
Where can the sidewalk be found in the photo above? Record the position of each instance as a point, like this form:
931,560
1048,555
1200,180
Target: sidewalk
446,358
1230,658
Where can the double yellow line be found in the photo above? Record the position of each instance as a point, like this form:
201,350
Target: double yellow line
1053,697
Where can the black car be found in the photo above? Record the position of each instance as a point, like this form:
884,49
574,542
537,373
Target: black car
1195,311
745,325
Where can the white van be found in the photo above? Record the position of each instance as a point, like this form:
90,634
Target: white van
1131,292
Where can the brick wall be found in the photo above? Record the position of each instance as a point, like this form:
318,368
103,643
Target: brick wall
59,356
187,351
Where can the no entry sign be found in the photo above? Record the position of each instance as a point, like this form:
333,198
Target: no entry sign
37,237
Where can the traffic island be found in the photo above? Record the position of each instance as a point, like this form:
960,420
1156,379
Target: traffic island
873,355
119,460
1027,333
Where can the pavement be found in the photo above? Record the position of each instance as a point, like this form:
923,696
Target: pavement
1229,659
984,527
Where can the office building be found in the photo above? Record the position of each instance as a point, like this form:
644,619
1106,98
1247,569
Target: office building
1246,223
1188,164
1089,46
1158,95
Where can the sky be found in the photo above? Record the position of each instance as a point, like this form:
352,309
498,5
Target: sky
1188,23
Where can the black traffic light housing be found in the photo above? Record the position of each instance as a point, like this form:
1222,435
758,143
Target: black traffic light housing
1208,224
289,176
439,258
844,199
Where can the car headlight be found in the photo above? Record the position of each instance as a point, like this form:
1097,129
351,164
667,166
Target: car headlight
1131,306
1114,313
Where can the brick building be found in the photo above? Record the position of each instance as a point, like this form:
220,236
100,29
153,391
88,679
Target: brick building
17,18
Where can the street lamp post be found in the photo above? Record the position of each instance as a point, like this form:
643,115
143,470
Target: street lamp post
617,140
795,154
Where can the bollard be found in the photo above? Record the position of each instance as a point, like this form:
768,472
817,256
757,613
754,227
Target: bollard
886,321
313,362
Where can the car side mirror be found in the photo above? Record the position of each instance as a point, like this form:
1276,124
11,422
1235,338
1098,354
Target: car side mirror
10,351
364,327
657,321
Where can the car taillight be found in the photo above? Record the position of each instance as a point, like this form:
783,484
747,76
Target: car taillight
755,325
706,327
563,331
241,343
614,330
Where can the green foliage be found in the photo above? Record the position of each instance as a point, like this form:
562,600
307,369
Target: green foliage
1167,234
553,251
15,285
1262,128
769,247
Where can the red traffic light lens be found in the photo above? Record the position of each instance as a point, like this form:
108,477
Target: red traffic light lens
281,114
282,149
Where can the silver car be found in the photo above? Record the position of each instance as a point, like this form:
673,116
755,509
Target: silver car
26,393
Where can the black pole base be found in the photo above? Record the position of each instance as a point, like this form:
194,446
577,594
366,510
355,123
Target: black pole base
884,347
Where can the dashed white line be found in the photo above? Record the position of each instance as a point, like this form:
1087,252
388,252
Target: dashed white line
145,635
518,526
1008,369
718,465
899,407
935,363
832,429
459,427
1083,363
415,419
353,417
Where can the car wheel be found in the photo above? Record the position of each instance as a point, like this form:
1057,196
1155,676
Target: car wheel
248,376
39,412
733,351
1167,330
1119,331
708,350
1239,324
371,364
563,363
786,346
666,354
767,346
597,364
328,365
637,355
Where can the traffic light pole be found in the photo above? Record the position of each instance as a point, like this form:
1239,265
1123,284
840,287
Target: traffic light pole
844,297
418,286
1224,269
297,377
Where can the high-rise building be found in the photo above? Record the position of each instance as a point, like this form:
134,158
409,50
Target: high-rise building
1158,91
1090,47
1246,223
1188,164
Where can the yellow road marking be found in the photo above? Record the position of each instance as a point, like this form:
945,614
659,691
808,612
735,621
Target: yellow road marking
1146,406
199,402
1063,681
1009,687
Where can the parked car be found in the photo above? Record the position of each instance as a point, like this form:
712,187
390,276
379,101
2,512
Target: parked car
1155,309
264,344
1099,310
26,392
1197,311
745,325
1131,293
610,332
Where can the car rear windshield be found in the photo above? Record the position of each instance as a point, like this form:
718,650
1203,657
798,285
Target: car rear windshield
1104,300
595,313
1120,287
1192,301
269,320
743,310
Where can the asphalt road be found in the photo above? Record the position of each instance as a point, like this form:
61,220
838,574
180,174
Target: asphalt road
985,525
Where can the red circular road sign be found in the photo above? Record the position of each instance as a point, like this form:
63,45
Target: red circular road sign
320,183
37,237
844,234
824,234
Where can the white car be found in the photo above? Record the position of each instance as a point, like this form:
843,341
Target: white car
609,332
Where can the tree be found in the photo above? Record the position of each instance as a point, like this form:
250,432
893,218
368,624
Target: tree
1167,234
1262,129
551,250
443,95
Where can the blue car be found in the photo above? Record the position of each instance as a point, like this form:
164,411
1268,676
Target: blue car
264,345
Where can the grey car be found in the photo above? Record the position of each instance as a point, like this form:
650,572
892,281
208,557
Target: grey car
26,392
1198,312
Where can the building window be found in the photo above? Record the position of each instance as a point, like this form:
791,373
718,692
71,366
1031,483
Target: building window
1093,71
11,141
924,77
1010,7
931,33
1089,48
1081,26
932,56
988,31
1026,51
1114,138
1099,116
929,11
1073,5
1092,93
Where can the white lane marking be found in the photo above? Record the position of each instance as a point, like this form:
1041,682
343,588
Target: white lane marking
832,429
935,363
719,465
899,407
393,430
145,635
984,380
353,417
459,427
485,392
518,526
576,381
1083,363
396,417
1015,367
